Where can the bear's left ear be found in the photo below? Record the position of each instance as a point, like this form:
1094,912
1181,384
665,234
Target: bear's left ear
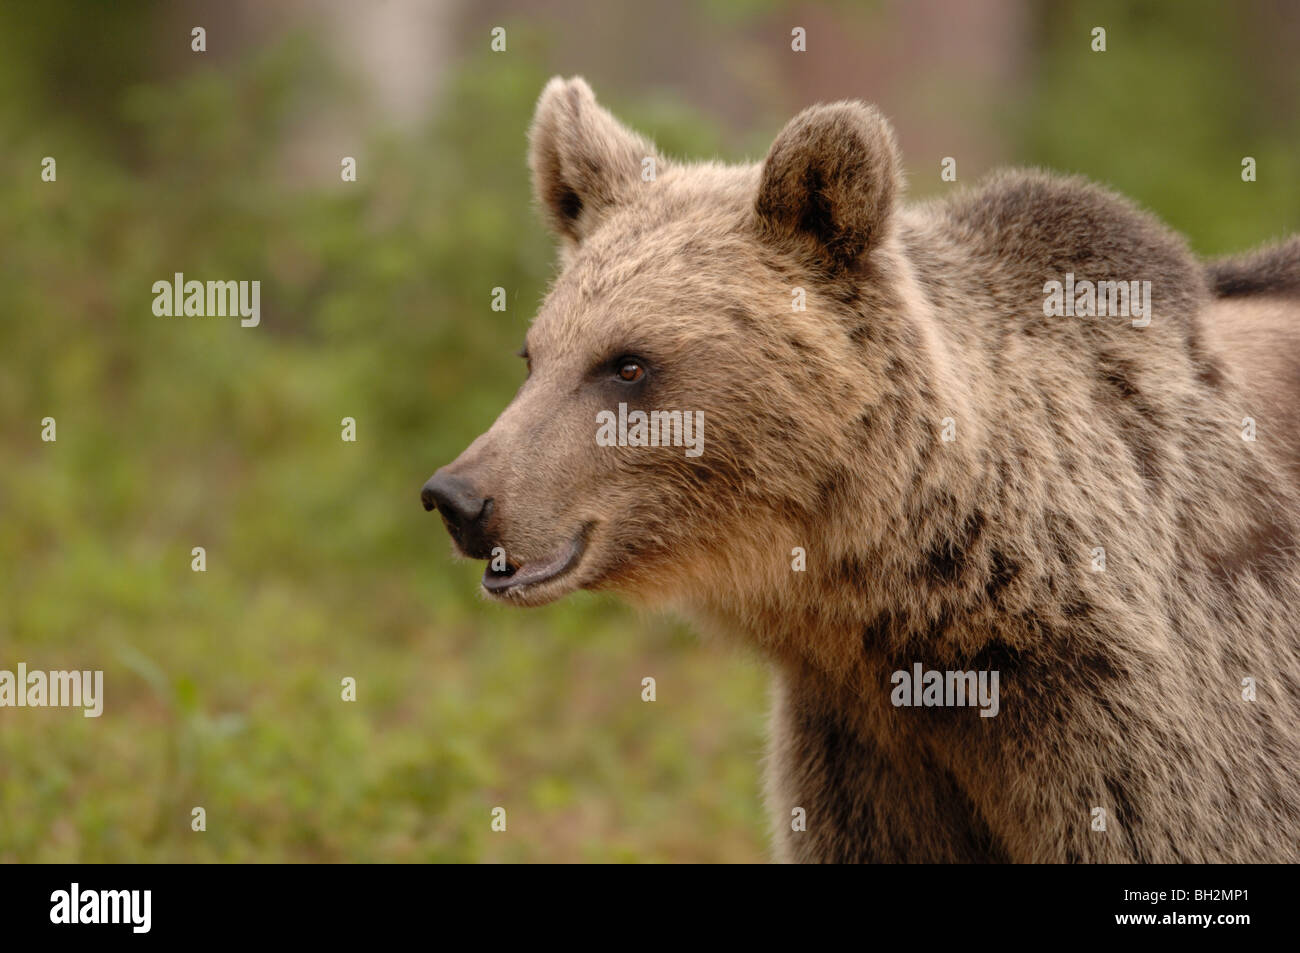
830,182
583,159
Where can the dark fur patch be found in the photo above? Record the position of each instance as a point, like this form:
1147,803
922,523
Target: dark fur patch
997,656
1124,815
1062,531
815,217
1264,551
569,203
1271,270
1076,610
1209,370
1118,379
1094,666
1139,423
1210,373
876,632
1003,572
950,559
850,571
741,318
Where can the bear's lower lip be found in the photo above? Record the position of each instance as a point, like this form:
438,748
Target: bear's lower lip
531,574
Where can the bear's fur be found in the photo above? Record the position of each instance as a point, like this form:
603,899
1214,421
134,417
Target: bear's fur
1121,689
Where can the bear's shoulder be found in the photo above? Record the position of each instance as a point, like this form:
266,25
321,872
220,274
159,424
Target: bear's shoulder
1034,224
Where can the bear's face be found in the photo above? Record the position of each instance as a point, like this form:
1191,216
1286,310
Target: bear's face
665,426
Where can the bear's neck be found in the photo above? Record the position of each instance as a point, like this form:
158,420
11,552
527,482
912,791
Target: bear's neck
949,558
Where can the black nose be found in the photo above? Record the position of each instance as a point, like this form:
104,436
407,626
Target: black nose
457,501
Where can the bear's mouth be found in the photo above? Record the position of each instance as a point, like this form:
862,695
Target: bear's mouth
519,576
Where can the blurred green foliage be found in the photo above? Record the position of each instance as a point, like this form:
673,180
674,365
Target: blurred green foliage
223,688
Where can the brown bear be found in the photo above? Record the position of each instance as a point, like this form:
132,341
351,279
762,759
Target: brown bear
1017,446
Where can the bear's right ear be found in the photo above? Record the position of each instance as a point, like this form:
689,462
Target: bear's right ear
583,159
829,184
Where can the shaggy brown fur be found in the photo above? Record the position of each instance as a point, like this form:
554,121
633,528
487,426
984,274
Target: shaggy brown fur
1120,689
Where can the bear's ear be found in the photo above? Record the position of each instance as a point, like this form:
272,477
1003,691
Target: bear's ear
830,182
583,159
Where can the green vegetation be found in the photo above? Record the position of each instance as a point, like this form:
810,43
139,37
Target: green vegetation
223,687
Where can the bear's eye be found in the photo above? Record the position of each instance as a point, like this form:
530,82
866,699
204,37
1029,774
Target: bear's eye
630,370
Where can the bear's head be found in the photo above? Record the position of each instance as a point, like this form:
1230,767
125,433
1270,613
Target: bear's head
724,313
